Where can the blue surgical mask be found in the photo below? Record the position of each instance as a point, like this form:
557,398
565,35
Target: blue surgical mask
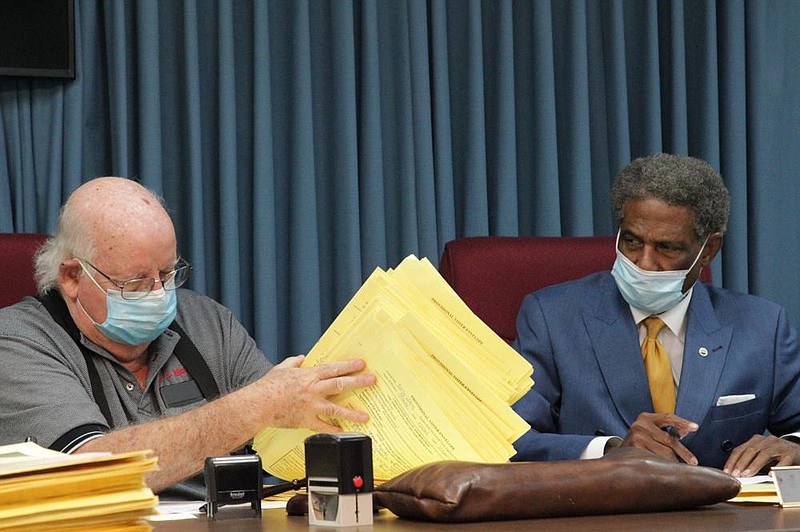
653,292
136,321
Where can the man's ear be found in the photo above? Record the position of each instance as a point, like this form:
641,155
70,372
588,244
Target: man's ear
69,275
713,246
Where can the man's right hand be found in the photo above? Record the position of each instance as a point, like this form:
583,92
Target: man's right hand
299,397
647,432
287,396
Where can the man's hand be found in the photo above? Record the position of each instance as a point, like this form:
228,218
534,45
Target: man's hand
297,397
759,452
647,432
287,396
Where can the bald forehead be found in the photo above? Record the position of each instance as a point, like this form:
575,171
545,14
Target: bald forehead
119,212
116,200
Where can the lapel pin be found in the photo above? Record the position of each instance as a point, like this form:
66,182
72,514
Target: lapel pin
703,352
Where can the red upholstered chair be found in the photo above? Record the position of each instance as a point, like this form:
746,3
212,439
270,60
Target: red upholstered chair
16,265
492,274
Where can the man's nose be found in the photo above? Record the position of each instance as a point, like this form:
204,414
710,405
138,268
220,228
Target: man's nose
648,259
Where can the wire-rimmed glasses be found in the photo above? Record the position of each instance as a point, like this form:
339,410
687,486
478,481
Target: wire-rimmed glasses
139,288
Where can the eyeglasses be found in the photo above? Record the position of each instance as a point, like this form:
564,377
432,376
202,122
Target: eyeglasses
139,288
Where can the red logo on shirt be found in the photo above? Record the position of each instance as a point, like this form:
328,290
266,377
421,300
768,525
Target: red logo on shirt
177,372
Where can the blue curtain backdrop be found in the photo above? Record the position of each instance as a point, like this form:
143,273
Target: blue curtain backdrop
302,143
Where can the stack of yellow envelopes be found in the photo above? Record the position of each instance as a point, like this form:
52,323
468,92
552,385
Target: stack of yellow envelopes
445,380
47,490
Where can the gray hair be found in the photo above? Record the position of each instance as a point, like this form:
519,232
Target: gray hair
69,241
678,180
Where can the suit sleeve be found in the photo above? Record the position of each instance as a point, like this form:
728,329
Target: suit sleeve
540,406
785,414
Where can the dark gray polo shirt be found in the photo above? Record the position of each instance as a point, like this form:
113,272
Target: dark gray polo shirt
45,391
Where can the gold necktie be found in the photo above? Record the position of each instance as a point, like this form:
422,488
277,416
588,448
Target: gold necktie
659,370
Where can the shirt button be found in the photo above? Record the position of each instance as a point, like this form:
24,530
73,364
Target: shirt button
727,446
129,386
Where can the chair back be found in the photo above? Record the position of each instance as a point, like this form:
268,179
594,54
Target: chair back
16,265
492,274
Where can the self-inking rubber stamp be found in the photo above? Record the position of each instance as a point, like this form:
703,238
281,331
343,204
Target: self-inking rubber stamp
233,480
340,482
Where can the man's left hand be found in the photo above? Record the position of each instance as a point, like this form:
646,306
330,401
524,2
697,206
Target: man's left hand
759,452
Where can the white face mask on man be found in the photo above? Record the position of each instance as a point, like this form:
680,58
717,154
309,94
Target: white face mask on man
653,292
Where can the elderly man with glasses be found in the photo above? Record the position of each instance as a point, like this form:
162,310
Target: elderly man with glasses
112,357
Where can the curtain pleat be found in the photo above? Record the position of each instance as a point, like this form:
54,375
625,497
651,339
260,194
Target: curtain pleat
269,323
300,144
571,55
773,137
118,68
733,143
333,53
441,129
148,95
500,135
302,250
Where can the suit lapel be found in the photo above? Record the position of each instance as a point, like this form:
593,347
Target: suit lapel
615,342
705,350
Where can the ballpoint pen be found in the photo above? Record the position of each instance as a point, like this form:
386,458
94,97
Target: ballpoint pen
672,431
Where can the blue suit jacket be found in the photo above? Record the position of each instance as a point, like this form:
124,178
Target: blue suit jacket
590,378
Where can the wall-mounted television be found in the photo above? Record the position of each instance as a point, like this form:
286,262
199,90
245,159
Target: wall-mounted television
37,38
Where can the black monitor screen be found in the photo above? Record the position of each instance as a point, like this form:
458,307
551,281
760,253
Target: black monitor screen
37,38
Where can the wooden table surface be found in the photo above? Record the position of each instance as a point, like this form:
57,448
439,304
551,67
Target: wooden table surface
724,516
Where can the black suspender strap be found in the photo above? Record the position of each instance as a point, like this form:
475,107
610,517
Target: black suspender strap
195,364
55,305
185,350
